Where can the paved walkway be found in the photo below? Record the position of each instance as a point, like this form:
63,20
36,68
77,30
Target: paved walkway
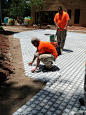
64,84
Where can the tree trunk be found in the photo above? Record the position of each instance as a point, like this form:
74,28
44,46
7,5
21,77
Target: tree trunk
0,13
41,17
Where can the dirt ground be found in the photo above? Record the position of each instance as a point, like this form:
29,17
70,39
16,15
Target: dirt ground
18,89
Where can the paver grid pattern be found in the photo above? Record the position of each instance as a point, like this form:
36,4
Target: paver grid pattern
64,84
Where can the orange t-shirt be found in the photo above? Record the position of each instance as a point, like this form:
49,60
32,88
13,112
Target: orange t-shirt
61,19
47,48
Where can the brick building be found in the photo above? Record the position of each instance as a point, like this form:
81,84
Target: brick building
75,8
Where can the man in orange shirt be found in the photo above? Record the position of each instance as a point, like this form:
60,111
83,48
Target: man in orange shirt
61,21
46,53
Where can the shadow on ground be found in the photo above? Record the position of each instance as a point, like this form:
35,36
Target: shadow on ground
7,32
19,96
67,50
43,69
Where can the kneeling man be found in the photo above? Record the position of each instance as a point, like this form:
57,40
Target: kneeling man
46,53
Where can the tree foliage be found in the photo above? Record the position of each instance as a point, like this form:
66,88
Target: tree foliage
38,5
18,8
14,8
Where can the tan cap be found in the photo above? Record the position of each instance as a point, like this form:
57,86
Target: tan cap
35,39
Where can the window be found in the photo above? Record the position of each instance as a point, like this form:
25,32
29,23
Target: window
77,16
69,12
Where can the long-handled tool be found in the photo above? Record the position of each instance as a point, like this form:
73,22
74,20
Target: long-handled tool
52,39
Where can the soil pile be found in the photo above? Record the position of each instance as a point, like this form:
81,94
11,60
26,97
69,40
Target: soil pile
5,64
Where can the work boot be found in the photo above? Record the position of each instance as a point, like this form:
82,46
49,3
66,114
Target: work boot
81,100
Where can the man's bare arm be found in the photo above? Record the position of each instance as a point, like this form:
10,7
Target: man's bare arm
33,59
30,63
57,25
38,62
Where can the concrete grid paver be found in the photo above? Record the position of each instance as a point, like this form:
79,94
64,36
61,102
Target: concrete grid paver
64,84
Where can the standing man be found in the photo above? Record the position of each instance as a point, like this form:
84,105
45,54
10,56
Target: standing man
61,20
45,53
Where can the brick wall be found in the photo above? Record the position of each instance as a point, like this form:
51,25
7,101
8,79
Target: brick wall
80,5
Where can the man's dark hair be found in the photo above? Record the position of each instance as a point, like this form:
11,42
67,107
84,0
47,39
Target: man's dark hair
34,39
59,7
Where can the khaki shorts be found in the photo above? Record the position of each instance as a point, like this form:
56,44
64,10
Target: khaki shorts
46,59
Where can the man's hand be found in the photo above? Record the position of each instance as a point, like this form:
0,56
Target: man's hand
30,63
33,70
38,61
65,28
